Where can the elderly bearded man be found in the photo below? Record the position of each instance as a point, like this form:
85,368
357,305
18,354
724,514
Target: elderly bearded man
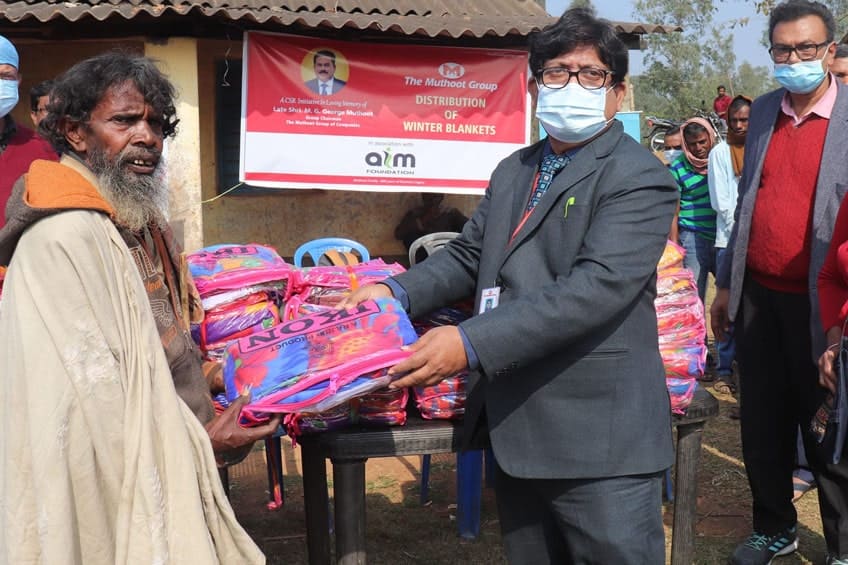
104,454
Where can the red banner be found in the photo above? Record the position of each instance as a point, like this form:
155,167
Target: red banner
332,114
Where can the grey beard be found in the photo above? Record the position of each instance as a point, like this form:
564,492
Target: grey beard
137,200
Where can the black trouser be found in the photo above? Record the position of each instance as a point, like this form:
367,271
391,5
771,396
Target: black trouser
581,521
779,382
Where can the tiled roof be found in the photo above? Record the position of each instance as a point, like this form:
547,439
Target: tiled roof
429,18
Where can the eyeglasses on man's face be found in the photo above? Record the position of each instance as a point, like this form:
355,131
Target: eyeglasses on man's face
805,51
589,78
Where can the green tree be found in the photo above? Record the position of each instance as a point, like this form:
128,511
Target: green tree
684,68
839,9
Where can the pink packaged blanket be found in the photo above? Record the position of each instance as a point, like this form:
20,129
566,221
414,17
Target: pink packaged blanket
327,286
316,362
230,266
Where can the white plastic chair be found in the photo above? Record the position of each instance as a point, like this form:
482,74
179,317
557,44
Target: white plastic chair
430,242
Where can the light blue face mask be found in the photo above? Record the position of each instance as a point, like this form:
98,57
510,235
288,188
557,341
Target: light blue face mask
572,114
8,96
800,78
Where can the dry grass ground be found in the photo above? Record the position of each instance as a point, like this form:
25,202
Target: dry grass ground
401,531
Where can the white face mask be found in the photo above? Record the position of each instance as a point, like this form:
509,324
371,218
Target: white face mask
572,114
8,96
672,154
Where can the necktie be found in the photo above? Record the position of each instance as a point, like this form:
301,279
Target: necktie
323,90
551,165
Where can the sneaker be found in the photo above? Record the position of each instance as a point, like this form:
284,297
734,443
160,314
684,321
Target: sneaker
760,549
833,560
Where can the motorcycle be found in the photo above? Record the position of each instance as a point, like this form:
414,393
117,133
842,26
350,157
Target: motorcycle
657,130
718,125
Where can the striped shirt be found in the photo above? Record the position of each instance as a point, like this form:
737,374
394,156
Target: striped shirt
696,213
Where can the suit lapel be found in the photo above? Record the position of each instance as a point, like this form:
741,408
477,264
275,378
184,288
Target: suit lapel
766,116
581,166
833,152
524,183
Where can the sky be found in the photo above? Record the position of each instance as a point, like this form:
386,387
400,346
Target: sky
746,39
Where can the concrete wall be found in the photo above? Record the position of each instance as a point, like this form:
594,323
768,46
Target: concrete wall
178,59
44,60
288,218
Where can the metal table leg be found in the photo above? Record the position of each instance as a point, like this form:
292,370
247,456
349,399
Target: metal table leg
349,495
316,502
685,497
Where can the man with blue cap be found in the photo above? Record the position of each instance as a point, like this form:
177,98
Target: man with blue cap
19,146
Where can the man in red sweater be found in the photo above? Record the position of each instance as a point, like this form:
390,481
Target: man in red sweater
19,146
722,103
793,177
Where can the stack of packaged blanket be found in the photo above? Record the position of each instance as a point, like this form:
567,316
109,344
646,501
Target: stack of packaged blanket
446,399
320,289
241,287
681,325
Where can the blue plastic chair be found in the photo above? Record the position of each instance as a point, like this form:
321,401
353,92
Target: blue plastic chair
317,247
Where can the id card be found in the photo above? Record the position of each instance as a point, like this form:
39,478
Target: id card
489,299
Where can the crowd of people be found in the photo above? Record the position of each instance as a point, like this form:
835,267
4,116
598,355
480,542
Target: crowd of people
780,298
566,381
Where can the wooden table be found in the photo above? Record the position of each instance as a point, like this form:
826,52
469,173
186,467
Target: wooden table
349,449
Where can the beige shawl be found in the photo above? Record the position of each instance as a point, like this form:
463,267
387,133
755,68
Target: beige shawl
100,461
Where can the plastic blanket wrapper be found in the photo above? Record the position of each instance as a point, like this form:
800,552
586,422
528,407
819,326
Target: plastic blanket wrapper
676,286
672,257
329,285
681,324
444,400
228,266
442,407
253,313
384,407
275,289
336,418
684,362
680,392
315,362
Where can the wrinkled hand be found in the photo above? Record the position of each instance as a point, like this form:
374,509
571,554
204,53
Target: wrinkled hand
367,292
437,355
226,434
719,318
827,374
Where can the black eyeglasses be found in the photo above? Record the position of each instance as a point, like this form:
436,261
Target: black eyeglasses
589,78
805,51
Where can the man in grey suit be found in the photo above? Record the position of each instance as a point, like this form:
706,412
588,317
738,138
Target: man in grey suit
325,82
793,179
569,383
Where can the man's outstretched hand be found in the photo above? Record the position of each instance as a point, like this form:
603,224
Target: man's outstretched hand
438,354
367,292
226,434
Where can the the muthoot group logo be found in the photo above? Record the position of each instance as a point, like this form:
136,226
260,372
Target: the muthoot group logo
451,70
387,162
